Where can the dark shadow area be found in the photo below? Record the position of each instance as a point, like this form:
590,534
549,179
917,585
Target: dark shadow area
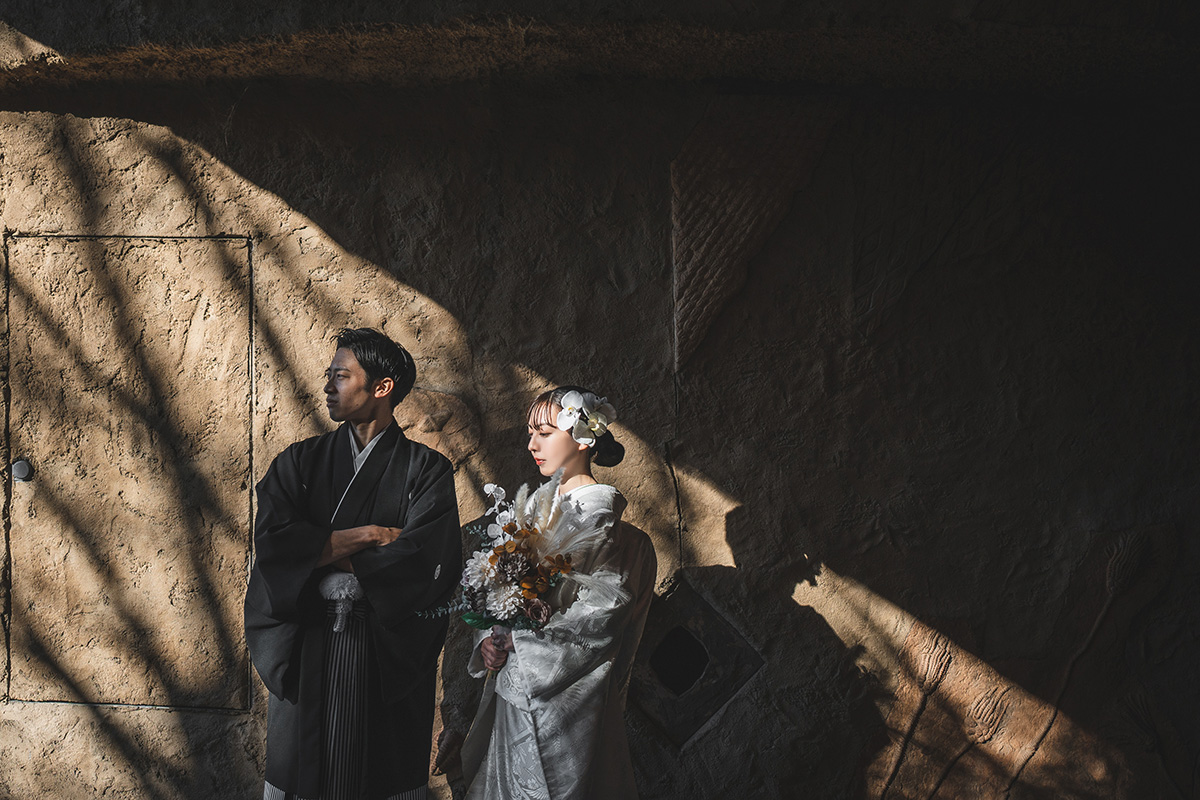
460,692
983,391
814,723
679,660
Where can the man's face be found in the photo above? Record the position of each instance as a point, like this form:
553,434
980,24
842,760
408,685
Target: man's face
349,395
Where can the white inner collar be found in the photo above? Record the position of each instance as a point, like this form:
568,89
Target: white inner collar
360,457
360,453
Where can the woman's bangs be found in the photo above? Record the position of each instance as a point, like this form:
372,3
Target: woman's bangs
542,412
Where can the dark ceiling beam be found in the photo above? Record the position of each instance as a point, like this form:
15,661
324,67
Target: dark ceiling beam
941,56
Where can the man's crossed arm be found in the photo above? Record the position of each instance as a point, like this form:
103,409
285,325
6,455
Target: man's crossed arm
345,543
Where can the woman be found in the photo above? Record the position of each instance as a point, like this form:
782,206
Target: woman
551,722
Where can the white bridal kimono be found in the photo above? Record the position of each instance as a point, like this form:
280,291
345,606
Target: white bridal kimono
551,722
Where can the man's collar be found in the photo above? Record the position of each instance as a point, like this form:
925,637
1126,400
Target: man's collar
354,437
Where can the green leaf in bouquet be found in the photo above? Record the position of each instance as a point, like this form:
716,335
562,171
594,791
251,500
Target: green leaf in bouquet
481,621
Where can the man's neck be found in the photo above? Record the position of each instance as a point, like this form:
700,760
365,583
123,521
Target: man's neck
367,430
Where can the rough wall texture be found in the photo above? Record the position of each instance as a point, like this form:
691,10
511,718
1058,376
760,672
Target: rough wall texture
923,493
141,502
543,260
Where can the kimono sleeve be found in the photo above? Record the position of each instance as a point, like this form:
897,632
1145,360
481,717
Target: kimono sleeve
577,641
287,543
421,567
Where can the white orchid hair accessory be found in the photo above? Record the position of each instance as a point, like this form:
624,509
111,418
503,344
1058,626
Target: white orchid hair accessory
585,416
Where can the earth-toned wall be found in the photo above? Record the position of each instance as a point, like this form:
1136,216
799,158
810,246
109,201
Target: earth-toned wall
907,380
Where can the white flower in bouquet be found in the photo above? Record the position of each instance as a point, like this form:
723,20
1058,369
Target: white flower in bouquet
504,601
495,531
478,571
497,494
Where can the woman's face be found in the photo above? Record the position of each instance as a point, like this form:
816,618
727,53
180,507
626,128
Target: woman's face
553,449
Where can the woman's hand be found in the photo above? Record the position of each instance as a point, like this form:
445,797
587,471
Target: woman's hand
495,649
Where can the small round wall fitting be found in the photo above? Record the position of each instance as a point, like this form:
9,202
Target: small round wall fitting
22,470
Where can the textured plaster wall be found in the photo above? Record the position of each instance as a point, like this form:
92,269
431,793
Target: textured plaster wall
541,257
932,458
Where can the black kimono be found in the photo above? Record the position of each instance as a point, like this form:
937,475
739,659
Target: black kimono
401,484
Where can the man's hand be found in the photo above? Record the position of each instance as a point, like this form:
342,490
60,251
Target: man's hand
382,535
495,649
345,543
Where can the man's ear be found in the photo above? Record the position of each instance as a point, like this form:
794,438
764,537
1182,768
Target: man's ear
384,386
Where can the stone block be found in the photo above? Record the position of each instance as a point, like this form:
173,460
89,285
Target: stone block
690,664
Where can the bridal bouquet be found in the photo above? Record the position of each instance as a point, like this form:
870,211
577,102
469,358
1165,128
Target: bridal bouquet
504,580
523,554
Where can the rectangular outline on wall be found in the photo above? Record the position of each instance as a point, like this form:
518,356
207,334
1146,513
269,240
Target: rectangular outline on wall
5,452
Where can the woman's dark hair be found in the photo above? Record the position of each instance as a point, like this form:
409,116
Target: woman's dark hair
380,358
606,452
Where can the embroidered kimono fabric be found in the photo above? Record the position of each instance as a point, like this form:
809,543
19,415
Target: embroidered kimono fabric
551,722
400,484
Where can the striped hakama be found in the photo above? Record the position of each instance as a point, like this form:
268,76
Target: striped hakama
345,719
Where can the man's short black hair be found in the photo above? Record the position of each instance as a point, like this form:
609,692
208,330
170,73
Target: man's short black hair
380,358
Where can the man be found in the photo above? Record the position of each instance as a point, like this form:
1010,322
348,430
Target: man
357,531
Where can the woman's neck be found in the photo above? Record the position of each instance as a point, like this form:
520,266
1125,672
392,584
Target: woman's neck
574,481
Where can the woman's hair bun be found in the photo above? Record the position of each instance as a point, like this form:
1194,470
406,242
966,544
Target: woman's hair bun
608,451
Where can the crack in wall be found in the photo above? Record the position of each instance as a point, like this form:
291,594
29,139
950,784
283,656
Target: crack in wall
680,525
